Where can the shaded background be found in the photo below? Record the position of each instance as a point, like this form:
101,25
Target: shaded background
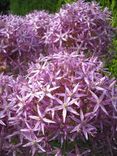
4,6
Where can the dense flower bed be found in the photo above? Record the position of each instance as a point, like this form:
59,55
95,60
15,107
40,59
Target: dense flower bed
79,26
57,93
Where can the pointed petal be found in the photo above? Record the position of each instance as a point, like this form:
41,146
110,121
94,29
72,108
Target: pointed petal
2,123
112,84
104,110
72,111
83,68
50,96
86,80
76,88
48,120
41,148
100,88
58,108
67,90
24,130
54,88
28,144
76,129
59,101
64,114
81,115
74,101
95,96
38,110
34,117
85,133
96,108
42,128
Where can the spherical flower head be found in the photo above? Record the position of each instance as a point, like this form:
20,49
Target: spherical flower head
39,20
22,39
64,97
80,25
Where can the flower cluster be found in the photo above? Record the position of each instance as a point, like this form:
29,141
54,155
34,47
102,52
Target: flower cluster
21,38
63,97
80,26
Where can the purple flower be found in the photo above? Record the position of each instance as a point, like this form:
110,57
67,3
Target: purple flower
63,97
80,25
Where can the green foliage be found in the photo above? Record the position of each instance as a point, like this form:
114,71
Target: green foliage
112,5
114,12
104,3
21,7
112,65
